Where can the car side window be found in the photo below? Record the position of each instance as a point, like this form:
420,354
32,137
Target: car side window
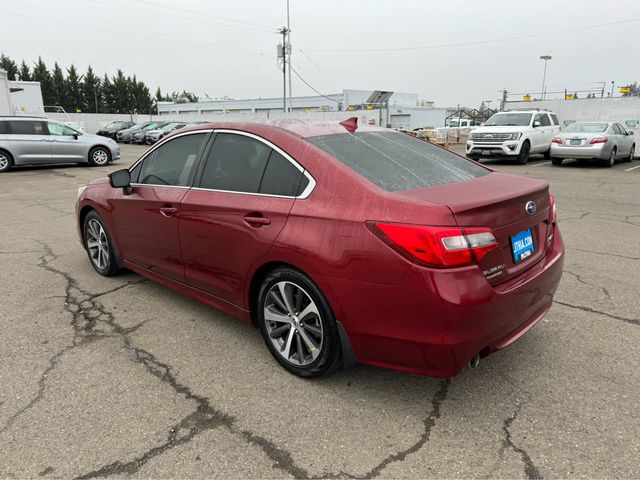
236,163
3,128
554,119
544,120
616,129
281,177
623,131
172,163
26,127
60,130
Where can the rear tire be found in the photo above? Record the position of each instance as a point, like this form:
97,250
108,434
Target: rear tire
556,161
6,161
631,153
523,156
99,156
610,162
305,344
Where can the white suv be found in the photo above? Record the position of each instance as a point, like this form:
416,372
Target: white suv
515,134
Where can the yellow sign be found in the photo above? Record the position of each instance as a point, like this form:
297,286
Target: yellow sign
568,96
527,98
625,89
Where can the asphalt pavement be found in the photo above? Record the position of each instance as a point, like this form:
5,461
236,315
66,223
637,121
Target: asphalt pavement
120,377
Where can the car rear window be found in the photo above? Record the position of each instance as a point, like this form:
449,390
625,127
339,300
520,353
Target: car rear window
396,161
587,127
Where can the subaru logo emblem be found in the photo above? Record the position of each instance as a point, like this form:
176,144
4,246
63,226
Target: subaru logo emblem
531,207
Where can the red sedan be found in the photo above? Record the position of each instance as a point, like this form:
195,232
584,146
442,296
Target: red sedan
342,243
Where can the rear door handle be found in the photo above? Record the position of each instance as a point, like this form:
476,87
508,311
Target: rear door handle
168,211
257,222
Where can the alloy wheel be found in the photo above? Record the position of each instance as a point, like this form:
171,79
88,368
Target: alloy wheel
100,157
4,161
293,323
97,244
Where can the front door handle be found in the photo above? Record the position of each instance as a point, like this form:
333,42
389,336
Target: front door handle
257,222
168,211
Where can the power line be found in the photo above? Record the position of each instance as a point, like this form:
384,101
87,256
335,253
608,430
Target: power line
308,85
480,42
200,13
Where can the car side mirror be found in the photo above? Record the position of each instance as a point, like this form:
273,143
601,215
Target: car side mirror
536,124
629,132
121,179
75,136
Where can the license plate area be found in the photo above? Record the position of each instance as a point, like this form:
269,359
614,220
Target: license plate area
522,245
575,141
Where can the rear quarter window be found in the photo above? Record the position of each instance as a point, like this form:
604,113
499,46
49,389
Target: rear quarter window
395,161
3,128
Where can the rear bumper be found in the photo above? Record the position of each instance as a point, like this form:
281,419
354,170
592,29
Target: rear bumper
435,321
600,151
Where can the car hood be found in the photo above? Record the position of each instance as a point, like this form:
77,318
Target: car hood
500,129
90,138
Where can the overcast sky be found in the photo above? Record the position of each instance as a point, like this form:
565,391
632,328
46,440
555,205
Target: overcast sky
228,47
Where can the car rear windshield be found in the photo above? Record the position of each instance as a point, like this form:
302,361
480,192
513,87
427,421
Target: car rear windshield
587,127
396,161
509,119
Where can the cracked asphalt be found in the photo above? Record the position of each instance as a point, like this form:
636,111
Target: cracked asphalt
120,377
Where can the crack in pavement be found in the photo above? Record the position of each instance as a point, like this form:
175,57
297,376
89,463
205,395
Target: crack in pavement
88,315
531,471
631,321
603,253
429,424
579,279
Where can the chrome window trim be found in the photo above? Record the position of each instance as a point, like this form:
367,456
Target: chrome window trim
303,195
158,145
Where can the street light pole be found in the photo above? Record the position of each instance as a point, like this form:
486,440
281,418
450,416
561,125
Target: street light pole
546,58
288,52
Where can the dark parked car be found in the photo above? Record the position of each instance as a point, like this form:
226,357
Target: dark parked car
124,135
340,243
113,128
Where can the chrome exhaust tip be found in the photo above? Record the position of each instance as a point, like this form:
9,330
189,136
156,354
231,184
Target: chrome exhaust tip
475,361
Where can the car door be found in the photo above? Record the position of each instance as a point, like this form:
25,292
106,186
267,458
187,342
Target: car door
545,132
624,140
239,204
66,144
29,142
146,220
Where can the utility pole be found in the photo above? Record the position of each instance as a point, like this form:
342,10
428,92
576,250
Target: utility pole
546,58
613,85
288,52
504,99
282,53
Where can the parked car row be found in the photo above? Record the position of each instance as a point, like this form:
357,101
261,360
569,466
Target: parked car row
141,133
518,133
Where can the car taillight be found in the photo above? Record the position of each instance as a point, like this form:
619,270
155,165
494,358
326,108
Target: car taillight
437,246
599,140
553,218
557,140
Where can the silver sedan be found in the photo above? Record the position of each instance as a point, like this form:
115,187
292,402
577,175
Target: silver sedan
34,141
603,141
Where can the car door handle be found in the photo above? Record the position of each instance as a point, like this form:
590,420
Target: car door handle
168,211
257,222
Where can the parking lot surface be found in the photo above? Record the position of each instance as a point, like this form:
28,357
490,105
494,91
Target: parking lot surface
121,377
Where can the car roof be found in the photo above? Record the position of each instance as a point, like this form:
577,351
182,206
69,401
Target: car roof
299,128
22,117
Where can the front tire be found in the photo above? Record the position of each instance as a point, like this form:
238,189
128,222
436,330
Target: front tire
6,161
523,156
631,153
297,323
99,246
99,156
547,154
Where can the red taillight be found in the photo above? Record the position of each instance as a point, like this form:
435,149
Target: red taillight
557,140
437,246
553,218
599,140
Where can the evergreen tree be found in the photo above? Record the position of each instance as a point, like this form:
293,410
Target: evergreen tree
106,97
57,85
91,92
24,73
74,93
158,97
8,66
41,74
